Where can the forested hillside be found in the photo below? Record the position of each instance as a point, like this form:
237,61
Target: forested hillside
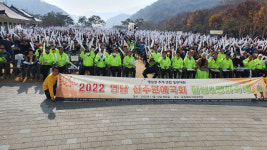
245,18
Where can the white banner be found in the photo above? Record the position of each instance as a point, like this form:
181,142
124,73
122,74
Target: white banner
76,87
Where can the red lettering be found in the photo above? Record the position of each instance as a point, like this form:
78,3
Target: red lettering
102,86
95,86
88,87
82,87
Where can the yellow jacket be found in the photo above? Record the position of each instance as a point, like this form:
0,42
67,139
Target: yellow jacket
49,84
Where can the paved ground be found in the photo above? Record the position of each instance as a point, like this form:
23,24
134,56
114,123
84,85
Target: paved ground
27,121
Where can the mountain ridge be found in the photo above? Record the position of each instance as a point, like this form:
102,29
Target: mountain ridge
164,9
116,20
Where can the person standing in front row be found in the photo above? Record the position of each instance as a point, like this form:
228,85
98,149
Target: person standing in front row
47,59
101,61
177,65
129,64
165,64
62,59
88,61
227,66
249,63
214,65
190,66
114,63
260,66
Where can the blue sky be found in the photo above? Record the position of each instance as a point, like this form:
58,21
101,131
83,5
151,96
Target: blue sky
104,8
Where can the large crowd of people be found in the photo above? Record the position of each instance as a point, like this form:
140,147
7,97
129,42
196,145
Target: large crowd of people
115,53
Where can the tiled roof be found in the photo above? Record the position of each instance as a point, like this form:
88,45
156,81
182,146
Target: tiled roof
24,13
12,14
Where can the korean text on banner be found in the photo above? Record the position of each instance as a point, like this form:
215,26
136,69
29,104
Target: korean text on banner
76,87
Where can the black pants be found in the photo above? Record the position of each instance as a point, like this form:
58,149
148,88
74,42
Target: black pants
150,71
114,70
90,69
5,67
177,72
47,94
238,74
144,57
101,70
215,74
128,70
247,73
189,74
45,71
166,71
260,73
227,74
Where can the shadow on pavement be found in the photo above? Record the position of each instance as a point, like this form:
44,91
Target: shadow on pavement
24,88
48,106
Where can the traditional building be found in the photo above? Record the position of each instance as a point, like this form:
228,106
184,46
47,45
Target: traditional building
27,15
13,16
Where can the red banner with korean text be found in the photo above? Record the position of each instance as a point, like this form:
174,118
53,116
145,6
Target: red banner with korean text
76,87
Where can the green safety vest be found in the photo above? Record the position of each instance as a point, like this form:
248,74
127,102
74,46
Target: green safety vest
177,63
127,60
214,64
261,65
155,56
49,58
88,58
189,64
164,62
221,56
227,64
102,63
249,65
62,59
114,61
